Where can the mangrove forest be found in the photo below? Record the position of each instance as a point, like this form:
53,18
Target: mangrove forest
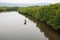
50,14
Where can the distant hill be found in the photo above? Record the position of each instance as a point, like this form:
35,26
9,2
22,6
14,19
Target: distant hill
22,5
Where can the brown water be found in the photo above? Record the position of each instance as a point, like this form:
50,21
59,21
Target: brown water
14,26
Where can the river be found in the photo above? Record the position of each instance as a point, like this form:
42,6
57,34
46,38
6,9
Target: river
15,26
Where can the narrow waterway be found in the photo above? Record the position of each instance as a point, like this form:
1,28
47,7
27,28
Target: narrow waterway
14,26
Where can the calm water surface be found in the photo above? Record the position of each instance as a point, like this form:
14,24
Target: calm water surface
14,26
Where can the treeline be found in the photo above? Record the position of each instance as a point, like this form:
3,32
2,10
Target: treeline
2,8
50,14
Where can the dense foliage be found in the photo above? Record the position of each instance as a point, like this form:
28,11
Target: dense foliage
50,14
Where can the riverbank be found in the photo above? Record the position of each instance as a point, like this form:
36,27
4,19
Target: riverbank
50,14
48,31
5,8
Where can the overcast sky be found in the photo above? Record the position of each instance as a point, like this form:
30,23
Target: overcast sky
30,1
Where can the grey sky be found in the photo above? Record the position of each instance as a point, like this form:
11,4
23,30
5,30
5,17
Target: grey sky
30,1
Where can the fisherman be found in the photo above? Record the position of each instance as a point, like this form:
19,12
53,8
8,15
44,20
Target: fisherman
25,22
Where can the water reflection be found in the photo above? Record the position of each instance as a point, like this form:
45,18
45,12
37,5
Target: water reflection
48,32
12,27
